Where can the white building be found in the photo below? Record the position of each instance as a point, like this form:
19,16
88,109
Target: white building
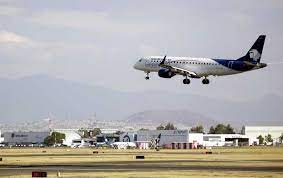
24,138
82,143
255,131
1,137
70,135
210,140
109,131
195,138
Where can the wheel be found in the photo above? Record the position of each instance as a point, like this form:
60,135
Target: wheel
186,81
205,81
147,77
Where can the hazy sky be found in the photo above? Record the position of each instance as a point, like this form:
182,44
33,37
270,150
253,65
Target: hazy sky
97,42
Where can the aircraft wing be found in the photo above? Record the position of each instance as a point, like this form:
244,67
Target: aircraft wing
177,69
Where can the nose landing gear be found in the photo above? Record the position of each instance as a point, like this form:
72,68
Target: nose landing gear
147,76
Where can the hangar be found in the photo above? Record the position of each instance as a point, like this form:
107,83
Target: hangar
70,135
210,140
183,139
167,136
24,138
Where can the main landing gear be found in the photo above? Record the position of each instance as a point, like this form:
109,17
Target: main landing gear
205,81
186,80
147,76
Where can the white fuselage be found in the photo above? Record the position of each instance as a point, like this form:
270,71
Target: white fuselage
167,67
201,66
124,145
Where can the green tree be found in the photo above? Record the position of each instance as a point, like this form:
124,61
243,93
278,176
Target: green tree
170,126
260,139
144,129
281,138
197,129
54,138
119,132
243,130
160,127
96,131
211,130
221,129
84,133
268,138
229,129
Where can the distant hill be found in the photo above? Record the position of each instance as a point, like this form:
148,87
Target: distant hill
33,98
178,117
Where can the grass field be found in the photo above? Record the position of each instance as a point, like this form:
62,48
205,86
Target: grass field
223,162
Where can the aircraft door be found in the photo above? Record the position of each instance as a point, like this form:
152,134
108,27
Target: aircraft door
230,64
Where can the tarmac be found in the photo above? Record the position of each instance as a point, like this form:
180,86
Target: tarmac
136,166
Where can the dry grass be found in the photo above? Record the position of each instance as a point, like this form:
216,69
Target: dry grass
224,162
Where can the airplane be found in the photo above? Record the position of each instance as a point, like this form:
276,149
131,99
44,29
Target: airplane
167,67
155,142
123,145
105,143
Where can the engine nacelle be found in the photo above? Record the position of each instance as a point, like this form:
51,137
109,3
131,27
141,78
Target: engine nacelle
165,73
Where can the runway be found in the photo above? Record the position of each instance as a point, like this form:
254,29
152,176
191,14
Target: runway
144,165
109,163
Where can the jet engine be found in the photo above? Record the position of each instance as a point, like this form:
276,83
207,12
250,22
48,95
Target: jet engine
165,73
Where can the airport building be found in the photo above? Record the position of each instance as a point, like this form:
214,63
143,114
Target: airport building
182,139
24,138
32,138
70,135
173,139
255,131
128,137
1,137
212,140
109,131
167,136
144,139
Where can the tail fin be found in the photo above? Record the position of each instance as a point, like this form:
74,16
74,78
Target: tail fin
254,54
158,138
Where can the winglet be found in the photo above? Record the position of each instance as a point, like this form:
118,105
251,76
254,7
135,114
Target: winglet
163,61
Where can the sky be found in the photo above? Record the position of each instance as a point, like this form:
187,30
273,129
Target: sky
98,42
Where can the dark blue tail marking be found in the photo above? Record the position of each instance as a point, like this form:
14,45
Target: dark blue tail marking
254,54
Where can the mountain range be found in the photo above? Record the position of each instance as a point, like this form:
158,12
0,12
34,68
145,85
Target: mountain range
35,97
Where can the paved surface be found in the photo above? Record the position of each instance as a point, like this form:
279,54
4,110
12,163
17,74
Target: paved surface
137,166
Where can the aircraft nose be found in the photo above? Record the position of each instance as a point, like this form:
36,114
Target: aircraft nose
136,66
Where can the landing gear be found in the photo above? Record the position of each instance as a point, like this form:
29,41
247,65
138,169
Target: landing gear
147,76
205,81
186,80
